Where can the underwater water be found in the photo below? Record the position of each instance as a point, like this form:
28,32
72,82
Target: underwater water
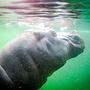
17,16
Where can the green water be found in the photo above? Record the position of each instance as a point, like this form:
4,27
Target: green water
75,74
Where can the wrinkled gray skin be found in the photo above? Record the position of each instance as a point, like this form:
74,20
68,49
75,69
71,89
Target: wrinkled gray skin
29,59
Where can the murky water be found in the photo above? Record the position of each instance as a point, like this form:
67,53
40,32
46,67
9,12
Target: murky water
59,15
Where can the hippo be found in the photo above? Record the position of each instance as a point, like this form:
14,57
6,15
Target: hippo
29,59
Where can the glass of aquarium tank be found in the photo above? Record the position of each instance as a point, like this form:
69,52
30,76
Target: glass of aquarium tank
40,42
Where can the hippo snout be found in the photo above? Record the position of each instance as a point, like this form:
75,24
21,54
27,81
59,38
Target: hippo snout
77,44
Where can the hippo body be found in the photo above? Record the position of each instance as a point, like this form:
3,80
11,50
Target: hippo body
27,61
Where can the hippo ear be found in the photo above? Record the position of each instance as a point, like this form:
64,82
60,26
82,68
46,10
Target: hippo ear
38,35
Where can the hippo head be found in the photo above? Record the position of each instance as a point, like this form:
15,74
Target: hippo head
72,41
56,48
